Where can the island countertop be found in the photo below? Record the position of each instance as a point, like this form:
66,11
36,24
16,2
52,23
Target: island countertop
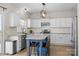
37,36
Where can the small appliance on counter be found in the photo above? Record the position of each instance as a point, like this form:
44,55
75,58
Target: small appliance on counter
45,31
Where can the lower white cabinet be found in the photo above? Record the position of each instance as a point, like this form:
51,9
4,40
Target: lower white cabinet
10,47
60,39
18,42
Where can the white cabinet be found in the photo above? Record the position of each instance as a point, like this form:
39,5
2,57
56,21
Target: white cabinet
35,23
18,42
28,23
22,25
52,22
55,22
61,22
61,29
52,38
14,20
19,29
60,38
10,47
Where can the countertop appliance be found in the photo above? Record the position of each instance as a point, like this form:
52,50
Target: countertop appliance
45,31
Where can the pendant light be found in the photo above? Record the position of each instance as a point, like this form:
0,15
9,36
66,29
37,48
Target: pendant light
43,12
27,12
24,12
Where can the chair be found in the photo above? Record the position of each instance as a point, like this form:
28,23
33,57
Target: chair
44,51
44,48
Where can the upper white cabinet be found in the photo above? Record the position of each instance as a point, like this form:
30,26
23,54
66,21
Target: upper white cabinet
35,23
22,25
28,23
54,22
14,20
61,22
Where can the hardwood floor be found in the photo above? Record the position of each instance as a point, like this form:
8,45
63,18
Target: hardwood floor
59,50
21,53
56,50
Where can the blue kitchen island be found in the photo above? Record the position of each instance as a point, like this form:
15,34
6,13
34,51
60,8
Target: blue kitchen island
40,42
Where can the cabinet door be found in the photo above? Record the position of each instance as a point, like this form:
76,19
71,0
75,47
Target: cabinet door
62,38
14,20
9,47
52,38
35,23
61,22
52,22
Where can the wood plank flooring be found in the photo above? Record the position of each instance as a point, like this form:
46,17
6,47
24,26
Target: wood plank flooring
56,50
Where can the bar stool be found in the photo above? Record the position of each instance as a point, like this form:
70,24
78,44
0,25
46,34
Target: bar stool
44,48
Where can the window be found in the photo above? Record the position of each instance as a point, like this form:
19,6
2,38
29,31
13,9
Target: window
0,22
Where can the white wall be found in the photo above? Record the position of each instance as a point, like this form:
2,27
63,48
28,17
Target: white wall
78,25
69,13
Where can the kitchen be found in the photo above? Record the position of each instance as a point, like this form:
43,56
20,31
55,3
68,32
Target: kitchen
21,22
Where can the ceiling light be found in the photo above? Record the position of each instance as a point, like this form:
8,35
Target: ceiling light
43,12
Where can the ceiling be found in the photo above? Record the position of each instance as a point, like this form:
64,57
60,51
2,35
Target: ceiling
36,7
